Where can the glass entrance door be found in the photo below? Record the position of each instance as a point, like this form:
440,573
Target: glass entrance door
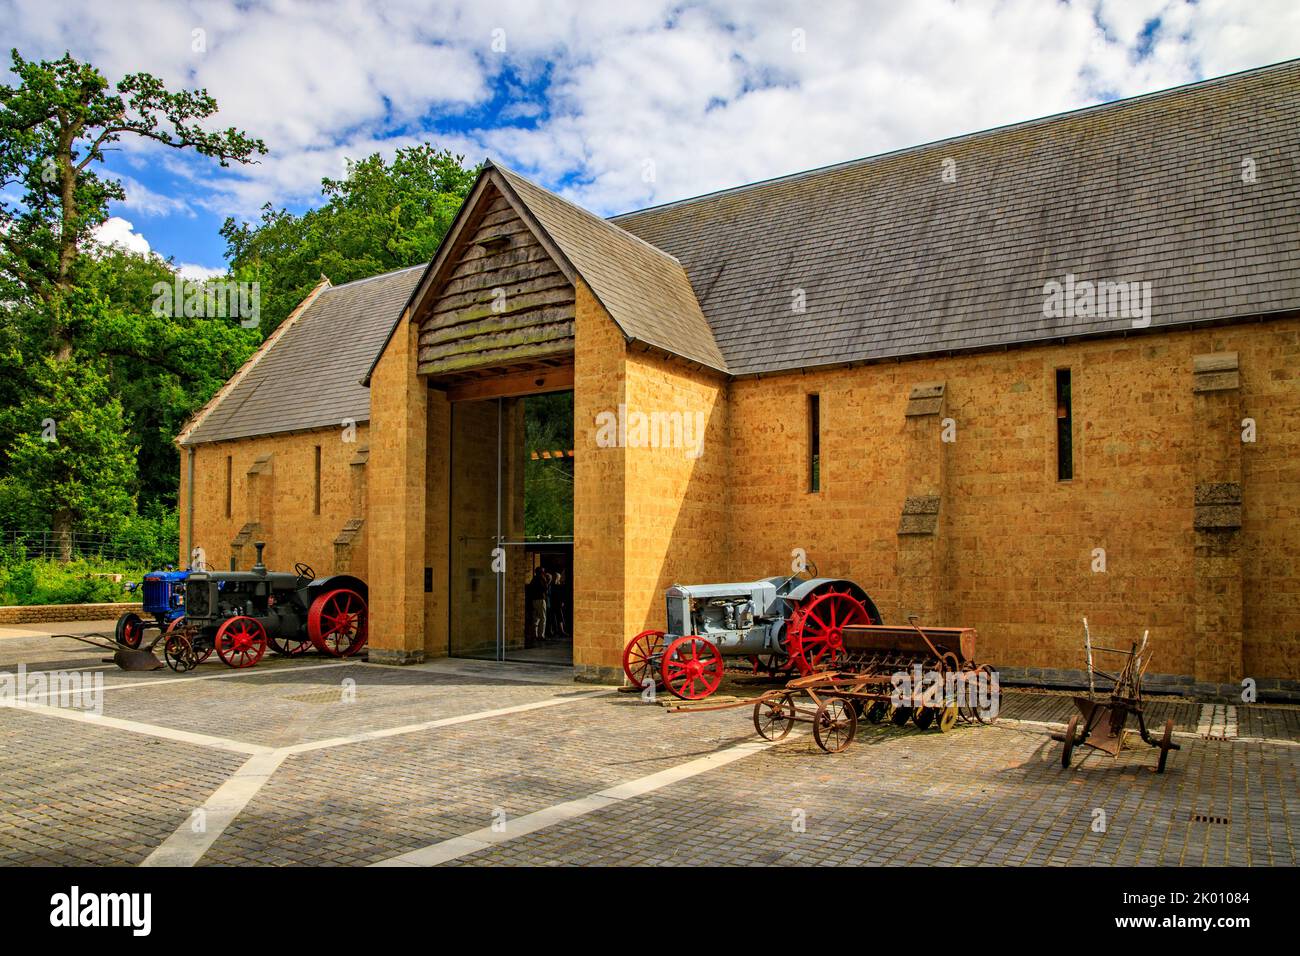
511,540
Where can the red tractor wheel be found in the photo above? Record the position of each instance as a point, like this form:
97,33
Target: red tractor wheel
814,637
641,658
338,623
290,646
241,641
130,629
691,668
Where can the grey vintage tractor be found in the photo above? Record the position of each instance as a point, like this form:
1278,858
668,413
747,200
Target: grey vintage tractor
777,625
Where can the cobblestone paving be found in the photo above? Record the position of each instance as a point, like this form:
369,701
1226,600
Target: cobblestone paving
72,792
289,706
362,804
977,796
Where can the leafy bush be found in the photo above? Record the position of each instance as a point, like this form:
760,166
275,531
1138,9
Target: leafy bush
151,540
44,581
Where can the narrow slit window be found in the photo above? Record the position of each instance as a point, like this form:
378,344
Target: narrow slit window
315,497
230,475
1064,427
814,443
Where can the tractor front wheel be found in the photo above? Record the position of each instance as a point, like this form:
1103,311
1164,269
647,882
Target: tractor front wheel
130,629
338,623
241,641
691,668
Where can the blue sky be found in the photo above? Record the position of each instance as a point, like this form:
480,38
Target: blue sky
616,105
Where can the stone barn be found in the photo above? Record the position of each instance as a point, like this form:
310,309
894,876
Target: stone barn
1004,380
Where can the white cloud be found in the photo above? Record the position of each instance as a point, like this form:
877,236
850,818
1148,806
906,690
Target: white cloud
141,198
714,92
197,273
116,231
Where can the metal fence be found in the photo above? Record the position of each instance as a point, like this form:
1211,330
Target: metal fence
48,544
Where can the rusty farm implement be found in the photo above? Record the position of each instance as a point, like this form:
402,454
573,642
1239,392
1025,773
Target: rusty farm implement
1103,716
900,675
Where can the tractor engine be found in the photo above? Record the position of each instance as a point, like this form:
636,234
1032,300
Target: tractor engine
737,618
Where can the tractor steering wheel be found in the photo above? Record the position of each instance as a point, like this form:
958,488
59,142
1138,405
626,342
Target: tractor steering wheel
304,571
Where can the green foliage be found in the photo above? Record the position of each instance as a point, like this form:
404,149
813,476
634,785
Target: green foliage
68,446
43,581
54,124
383,216
548,484
150,541
80,345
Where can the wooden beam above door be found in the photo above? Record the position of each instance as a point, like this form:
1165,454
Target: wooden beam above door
512,383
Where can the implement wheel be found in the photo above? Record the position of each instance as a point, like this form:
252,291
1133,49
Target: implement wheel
947,718
987,677
241,641
691,668
834,725
1166,745
774,718
337,623
1070,730
641,659
923,717
877,712
178,647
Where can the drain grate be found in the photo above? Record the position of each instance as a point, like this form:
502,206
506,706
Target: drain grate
1208,818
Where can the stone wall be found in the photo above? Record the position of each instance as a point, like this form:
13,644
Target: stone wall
1013,549
43,613
272,499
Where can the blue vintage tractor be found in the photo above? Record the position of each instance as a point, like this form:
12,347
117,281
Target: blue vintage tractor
163,594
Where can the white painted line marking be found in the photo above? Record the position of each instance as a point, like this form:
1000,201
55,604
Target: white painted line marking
441,722
460,846
186,847
491,670
230,672
63,670
135,727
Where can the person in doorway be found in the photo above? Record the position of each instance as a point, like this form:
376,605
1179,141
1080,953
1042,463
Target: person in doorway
535,594
555,607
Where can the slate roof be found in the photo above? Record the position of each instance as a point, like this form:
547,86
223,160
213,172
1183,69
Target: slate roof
310,377
645,290
892,260
896,262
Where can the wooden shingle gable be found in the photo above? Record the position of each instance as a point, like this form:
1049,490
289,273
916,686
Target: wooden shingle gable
498,297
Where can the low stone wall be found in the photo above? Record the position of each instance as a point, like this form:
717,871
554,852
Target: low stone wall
41,613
